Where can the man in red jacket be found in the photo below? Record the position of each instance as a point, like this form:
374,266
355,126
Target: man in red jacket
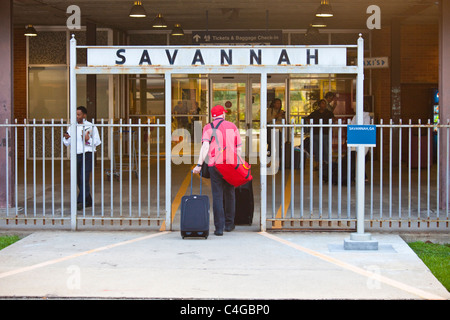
220,139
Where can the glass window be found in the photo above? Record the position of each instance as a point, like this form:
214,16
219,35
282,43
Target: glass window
233,94
304,94
47,93
102,94
189,101
146,96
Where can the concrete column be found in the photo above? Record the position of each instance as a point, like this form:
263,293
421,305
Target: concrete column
444,93
6,101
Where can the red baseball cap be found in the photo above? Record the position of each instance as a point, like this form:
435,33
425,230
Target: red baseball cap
217,111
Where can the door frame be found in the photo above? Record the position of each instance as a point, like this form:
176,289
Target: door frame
240,78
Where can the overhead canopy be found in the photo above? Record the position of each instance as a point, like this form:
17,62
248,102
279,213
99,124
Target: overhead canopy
231,14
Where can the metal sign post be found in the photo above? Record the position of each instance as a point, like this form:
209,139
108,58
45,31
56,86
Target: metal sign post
360,240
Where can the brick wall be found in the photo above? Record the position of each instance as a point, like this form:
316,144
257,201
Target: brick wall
381,78
419,63
419,70
20,84
420,53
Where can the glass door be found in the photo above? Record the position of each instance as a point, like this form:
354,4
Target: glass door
232,92
240,95
233,96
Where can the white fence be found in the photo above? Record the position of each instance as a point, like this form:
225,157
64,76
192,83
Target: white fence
126,184
404,185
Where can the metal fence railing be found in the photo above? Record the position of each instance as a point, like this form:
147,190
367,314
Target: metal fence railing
407,181
403,184
126,184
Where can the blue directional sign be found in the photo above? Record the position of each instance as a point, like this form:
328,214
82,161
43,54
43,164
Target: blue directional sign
361,135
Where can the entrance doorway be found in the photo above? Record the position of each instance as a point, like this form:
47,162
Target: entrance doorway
234,93
240,95
193,96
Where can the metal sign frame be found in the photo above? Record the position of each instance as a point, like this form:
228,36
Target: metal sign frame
216,68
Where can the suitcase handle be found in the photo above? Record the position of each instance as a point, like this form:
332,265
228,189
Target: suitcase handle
192,173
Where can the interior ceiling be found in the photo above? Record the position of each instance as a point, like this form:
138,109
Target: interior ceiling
224,14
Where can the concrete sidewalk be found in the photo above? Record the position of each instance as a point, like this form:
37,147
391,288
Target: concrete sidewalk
238,265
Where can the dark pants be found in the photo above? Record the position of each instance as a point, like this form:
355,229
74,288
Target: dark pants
325,147
223,200
83,175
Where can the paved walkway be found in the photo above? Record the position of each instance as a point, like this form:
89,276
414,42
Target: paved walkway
239,265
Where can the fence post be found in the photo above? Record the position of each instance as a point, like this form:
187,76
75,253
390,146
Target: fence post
73,133
360,240
168,151
263,151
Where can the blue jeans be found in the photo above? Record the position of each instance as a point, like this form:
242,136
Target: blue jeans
223,200
83,175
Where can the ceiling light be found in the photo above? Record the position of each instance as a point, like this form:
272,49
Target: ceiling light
137,11
311,31
324,9
318,23
177,30
159,22
30,31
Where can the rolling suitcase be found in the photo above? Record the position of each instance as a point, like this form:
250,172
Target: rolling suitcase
287,155
244,204
195,214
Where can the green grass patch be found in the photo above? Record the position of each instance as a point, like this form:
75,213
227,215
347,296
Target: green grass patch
436,257
7,240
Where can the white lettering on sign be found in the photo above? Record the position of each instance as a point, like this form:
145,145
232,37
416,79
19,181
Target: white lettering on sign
216,56
361,135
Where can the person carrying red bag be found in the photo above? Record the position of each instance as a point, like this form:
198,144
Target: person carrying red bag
221,142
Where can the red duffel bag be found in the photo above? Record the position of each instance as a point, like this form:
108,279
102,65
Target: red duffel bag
235,173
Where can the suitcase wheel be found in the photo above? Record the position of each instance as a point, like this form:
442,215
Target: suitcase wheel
194,234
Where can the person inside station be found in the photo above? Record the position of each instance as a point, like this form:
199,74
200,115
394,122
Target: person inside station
321,113
195,112
331,99
181,111
274,111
